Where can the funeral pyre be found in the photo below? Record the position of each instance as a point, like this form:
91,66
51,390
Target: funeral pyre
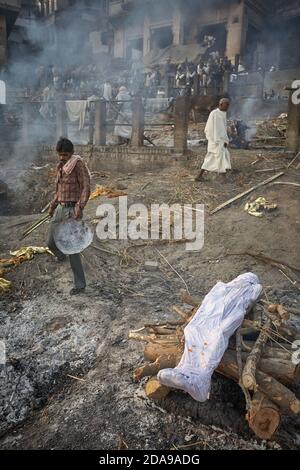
260,357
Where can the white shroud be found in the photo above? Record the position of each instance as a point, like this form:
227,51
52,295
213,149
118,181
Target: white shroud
207,335
218,157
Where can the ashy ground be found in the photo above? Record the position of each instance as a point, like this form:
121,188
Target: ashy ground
67,383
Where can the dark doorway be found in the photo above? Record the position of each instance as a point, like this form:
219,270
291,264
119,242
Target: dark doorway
132,46
289,45
251,48
161,37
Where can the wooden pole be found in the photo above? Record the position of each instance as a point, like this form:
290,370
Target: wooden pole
138,113
100,122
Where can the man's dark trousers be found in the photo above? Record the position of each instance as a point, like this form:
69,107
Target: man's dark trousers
62,213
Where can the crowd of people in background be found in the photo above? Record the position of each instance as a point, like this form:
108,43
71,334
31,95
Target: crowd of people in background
209,74
168,79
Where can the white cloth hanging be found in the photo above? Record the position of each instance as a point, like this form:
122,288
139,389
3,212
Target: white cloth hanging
218,157
207,335
76,111
2,92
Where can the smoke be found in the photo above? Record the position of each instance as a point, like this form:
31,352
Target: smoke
38,48
75,40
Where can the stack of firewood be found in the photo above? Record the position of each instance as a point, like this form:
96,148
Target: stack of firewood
264,369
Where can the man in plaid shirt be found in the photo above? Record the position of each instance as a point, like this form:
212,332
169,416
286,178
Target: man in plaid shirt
72,194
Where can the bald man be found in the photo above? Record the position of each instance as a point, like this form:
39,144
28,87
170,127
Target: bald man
218,157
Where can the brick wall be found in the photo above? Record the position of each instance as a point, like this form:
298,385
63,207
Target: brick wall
124,159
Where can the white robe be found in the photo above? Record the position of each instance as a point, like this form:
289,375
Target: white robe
218,157
125,116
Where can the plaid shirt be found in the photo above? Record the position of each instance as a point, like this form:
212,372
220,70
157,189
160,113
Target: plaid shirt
74,187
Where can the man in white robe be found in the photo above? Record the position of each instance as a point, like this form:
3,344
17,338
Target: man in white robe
122,130
218,157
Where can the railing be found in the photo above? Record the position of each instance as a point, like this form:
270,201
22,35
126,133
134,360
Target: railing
31,128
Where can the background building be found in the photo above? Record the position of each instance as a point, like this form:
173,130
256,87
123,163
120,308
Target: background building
9,11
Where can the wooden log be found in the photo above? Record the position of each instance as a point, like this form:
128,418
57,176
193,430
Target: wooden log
274,361
155,390
251,325
277,364
273,389
264,416
148,370
175,324
185,315
282,370
282,312
248,375
138,337
153,351
158,330
270,351
277,353
158,338
278,393
188,299
152,338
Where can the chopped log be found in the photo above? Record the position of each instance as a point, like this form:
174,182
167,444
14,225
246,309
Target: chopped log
240,368
264,416
290,332
148,370
161,330
272,308
273,389
153,351
278,393
252,325
282,370
282,312
271,352
188,299
248,375
184,315
155,390
138,337
169,324
279,367
274,317
274,362
173,338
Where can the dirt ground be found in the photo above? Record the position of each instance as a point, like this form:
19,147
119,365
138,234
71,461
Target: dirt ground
53,340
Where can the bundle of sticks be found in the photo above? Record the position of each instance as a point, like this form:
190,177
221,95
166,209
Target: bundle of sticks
265,368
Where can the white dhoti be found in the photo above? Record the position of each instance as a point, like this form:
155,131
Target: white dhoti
218,157
125,116
121,129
